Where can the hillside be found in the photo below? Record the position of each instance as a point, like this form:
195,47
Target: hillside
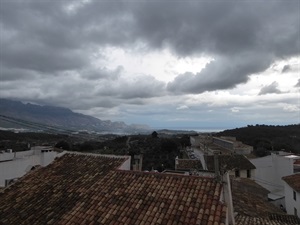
266,138
58,117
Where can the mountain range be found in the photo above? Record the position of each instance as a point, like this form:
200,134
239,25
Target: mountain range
15,114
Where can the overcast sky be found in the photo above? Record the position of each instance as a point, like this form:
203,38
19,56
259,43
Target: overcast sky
171,63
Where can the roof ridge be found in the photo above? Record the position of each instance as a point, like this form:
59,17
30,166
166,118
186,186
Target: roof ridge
163,174
284,217
93,154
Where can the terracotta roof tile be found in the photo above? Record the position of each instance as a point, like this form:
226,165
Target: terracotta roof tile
283,220
293,181
251,204
81,189
250,200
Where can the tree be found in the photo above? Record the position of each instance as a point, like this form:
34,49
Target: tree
154,134
168,146
63,145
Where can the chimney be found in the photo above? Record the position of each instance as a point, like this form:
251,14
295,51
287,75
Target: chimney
217,167
176,162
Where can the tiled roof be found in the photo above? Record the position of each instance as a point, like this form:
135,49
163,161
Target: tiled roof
248,199
188,164
289,219
247,185
282,220
229,162
293,181
254,209
78,189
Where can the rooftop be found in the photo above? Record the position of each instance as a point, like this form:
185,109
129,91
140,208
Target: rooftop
270,220
217,148
229,162
250,199
188,164
89,189
293,181
251,205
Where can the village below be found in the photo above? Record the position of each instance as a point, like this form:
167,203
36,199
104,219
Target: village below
231,177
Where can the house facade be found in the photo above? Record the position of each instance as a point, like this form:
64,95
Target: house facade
269,173
223,145
292,194
236,165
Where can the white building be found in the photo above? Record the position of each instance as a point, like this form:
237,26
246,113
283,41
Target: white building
14,165
270,170
223,145
236,165
292,194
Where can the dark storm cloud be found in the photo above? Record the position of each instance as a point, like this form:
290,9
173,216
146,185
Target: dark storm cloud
223,73
51,37
248,37
34,36
41,58
270,89
226,27
11,74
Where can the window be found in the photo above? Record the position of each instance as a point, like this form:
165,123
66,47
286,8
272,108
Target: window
237,173
294,195
295,212
248,173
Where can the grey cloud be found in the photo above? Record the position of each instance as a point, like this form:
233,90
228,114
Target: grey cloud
219,27
13,74
35,36
223,73
42,59
142,87
101,73
298,83
290,68
193,27
286,68
243,37
270,89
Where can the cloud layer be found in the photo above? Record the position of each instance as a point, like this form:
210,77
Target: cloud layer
56,52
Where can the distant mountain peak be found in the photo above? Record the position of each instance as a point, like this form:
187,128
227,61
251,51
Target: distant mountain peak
61,117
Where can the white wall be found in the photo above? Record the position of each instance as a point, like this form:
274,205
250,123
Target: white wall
126,164
264,173
24,153
290,203
283,167
270,170
21,165
6,156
